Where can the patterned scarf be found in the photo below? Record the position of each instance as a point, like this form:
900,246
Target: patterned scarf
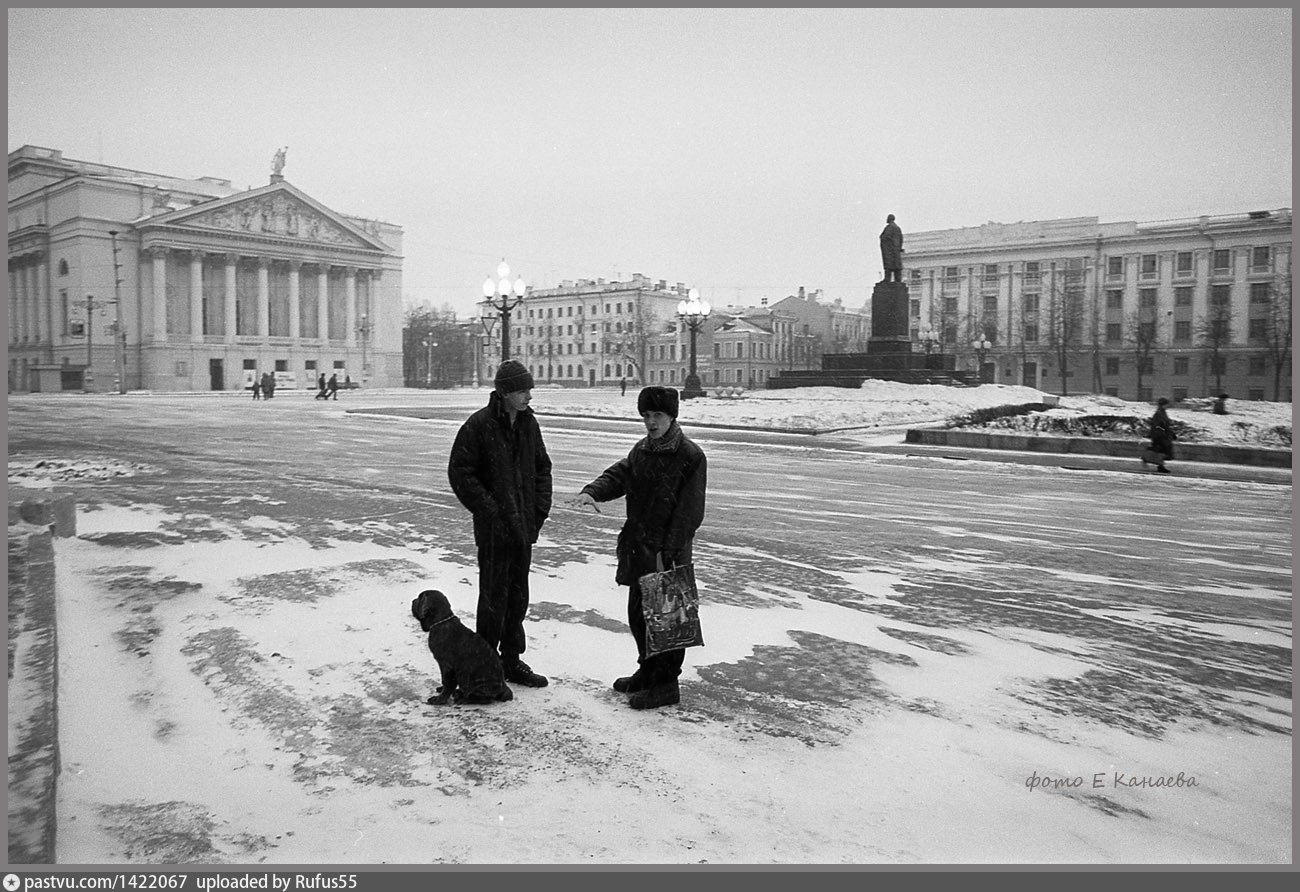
669,442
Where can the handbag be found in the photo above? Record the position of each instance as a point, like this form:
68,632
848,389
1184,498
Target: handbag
670,603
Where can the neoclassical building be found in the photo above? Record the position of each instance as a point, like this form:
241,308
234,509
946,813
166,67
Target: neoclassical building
1183,308
122,279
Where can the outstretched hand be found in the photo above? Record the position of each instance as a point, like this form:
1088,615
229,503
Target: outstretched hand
581,502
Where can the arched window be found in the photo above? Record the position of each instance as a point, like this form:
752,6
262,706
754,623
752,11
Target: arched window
63,267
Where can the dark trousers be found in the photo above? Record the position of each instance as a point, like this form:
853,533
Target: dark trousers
503,594
896,273
660,668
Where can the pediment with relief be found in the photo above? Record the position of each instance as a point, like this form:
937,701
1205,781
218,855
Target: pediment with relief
277,213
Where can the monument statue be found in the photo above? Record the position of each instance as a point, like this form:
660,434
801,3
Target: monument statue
891,249
277,163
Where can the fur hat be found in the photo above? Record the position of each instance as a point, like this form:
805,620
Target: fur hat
513,377
657,398
1162,402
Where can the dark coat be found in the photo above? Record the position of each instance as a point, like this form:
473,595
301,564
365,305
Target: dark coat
1162,433
891,246
665,502
502,475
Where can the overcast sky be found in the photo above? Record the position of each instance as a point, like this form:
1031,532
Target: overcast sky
744,151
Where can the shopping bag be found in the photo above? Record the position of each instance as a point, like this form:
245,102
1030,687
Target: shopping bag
671,605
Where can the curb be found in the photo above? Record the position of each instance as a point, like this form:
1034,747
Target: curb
1101,446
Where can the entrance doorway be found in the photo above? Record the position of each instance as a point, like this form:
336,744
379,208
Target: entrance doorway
1029,376
216,374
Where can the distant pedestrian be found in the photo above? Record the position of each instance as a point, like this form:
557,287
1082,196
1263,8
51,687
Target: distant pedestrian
1221,404
322,391
268,385
622,385
257,387
333,387
1162,438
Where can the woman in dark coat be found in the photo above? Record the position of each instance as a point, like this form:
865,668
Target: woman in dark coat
664,479
1162,436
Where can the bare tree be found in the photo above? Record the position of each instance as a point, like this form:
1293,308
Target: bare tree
1064,317
1277,330
1214,334
1142,339
435,347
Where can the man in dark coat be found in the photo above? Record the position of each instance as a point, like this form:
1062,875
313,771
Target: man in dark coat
891,250
664,479
1162,436
333,385
501,472
322,391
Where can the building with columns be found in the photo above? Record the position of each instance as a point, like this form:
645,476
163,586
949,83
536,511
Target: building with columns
1178,308
122,279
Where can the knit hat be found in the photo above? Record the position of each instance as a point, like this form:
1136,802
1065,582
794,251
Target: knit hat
657,398
513,377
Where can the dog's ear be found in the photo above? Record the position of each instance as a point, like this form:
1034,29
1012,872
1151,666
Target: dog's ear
421,609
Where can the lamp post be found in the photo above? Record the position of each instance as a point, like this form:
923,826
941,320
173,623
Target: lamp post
87,377
430,344
929,337
119,334
982,346
694,313
364,329
497,294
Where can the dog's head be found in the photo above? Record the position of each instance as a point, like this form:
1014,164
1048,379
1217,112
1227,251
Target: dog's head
429,607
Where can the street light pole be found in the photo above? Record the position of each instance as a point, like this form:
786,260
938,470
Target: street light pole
364,330
497,295
694,313
981,346
119,336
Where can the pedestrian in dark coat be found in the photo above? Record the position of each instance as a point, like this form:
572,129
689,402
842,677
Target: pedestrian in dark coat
1162,436
500,470
322,392
257,388
334,387
663,479
268,385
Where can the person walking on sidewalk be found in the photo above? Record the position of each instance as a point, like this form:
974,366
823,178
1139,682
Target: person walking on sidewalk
1162,437
663,479
322,388
257,388
500,471
333,387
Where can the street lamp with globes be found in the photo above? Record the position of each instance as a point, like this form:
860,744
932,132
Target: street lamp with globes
497,295
982,346
694,313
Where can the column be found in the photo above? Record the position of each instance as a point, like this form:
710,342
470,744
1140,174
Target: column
295,310
25,293
159,256
350,290
196,297
263,297
323,300
232,261
44,314
13,302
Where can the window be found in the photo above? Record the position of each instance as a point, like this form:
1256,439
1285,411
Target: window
1114,300
1181,365
1222,260
950,272
1031,333
1260,292
1220,295
990,305
1178,393
1144,394
1112,365
1259,258
1258,329
1182,331
63,267
1113,331
914,307
1147,332
1031,303
1150,266
1115,267
1183,263
1111,390
1182,297
1258,365
1255,393
1147,298
1033,274
950,306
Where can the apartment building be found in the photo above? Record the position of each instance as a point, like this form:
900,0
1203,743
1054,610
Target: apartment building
1184,308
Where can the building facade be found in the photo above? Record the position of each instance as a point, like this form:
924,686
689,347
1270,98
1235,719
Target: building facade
1184,308
122,279
589,333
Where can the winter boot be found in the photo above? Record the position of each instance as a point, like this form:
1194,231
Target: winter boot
630,684
663,694
519,672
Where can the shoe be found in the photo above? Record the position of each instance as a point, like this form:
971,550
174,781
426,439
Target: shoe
519,672
630,684
665,694
1162,469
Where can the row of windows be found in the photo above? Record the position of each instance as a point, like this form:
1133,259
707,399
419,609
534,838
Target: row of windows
561,312
1257,366
547,331
1261,260
1220,295
1218,330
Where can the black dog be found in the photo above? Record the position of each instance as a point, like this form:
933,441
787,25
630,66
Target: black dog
471,672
